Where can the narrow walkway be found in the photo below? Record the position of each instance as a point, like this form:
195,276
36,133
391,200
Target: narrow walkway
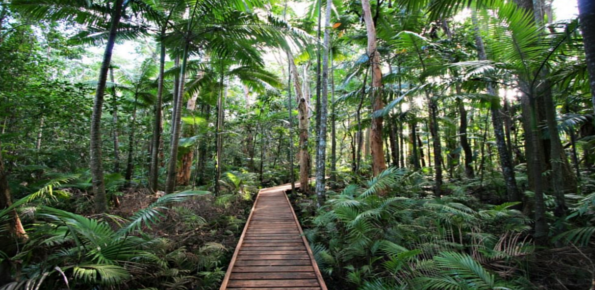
272,252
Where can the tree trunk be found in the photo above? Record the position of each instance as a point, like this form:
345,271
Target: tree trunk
468,160
96,162
156,140
130,164
436,146
586,15
394,143
203,154
333,126
115,122
303,126
505,155
170,183
378,164
185,171
219,128
415,154
321,150
40,133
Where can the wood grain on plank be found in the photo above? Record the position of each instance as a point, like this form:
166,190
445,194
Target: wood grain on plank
272,252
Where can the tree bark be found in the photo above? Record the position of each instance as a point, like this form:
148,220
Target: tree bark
378,163
203,152
156,141
436,146
96,162
321,150
130,165
586,16
219,129
333,125
505,155
185,171
115,134
170,183
303,126
468,160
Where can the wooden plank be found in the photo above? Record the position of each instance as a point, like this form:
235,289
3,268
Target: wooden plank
314,264
265,252
272,252
273,275
243,256
256,247
274,283
273,263
284,288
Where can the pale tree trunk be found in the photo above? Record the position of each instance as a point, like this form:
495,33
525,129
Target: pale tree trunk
321,148
219,129
378,163
586,15
157,125
96,162
115,122
290,117
170,183
185,171
40,133
505,155
15,232
333,126
303,126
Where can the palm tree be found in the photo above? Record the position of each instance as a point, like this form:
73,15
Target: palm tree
93,14
321,149
586,15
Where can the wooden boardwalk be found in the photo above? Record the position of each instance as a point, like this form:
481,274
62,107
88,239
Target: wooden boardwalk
272,252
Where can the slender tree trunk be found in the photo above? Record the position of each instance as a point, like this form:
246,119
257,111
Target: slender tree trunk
115,122
536,162
468,160
303,126
185,169
219,129
586,15
157,126
436,146
415,156
321,150
130,165
394,143
203,154
177,115
96,162
505,155
290,117
333,125
40,133
378,164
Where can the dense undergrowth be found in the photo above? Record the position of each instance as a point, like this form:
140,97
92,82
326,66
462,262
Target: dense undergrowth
177,241
390,233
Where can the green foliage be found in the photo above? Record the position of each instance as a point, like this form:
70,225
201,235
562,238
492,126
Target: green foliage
421,241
